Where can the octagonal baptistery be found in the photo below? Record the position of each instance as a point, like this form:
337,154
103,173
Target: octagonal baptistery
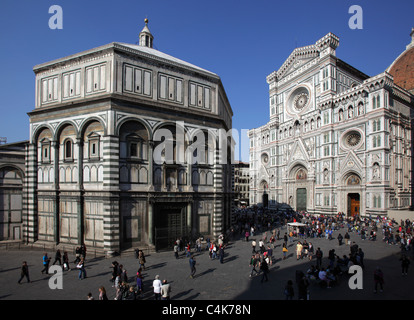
124,150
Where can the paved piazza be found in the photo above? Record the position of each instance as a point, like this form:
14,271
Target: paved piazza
213,280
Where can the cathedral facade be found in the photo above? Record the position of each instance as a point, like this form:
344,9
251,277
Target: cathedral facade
337,140
109,162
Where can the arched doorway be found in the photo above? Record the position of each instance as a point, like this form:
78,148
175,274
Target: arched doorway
298,188
265,196
353,182
301,177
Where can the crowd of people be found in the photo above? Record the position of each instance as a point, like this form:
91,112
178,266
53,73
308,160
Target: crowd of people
250,222
267,231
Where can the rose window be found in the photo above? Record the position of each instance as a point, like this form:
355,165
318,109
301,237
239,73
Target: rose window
352,139
300,101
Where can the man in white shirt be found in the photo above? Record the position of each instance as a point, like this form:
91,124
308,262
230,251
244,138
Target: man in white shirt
157,287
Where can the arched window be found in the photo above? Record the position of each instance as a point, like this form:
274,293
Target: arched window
45,149
376,101
68,149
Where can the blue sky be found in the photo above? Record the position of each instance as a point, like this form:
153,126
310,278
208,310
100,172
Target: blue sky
242,41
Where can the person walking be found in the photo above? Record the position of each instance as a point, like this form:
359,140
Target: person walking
78,252
66,261
81,268
347,238
192,262
405,262
270,254
24,273
311,251
102,293
58,257
165,290
340,238
253,264
319,256
299,248
83,251
253,246
156,284
264,267
284,250
139,282
176,248
46,261
378,279
141,258
221,254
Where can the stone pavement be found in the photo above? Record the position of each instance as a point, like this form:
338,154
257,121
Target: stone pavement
213,281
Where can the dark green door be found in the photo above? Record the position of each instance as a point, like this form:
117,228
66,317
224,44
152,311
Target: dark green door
301,199
170,224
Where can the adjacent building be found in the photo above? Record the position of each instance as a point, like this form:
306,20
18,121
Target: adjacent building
110,161
241,183
337,139
12,178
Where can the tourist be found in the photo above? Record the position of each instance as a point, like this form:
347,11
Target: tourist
139,282
340,238
82,271
311,251
58,257
284,250
156,284
165,290
24,273
130,293
253,264
66,261
265,269
176,248
299,248
319,256
192,262
221,254
141,258
102,294
46,261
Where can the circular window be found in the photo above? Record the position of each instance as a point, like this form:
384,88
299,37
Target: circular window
298,100
301,100
352,139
